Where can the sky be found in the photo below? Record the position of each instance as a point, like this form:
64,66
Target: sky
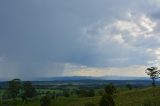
47,38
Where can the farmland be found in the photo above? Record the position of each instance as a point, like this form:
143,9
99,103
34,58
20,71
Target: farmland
139,95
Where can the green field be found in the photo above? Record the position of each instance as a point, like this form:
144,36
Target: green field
135,97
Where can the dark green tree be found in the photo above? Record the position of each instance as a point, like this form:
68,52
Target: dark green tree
110,89
29,90
153,72
14,87
107,100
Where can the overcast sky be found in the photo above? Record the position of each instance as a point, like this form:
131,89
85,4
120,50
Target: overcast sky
45,38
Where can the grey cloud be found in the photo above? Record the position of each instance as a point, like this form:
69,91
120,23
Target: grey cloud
34,35
124,42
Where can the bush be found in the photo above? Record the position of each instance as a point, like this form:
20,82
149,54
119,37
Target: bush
107,100
89,104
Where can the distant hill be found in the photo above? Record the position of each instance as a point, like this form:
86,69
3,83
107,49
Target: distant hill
70,78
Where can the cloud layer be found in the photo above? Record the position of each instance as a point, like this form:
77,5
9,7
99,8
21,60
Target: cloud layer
57,37
133,40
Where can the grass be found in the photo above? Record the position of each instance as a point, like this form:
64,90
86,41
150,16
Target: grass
135,97
51,91
138,97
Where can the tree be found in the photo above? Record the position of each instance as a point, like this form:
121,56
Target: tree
14,88
107,100
110,89
29,90
153,72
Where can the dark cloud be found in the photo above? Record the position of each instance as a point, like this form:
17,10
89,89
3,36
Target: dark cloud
37,36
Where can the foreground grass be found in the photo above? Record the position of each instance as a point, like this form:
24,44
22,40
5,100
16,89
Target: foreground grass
138,97
135,97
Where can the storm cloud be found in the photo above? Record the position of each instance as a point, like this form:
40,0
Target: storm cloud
39,38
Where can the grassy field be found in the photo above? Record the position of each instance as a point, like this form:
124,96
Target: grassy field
135,97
